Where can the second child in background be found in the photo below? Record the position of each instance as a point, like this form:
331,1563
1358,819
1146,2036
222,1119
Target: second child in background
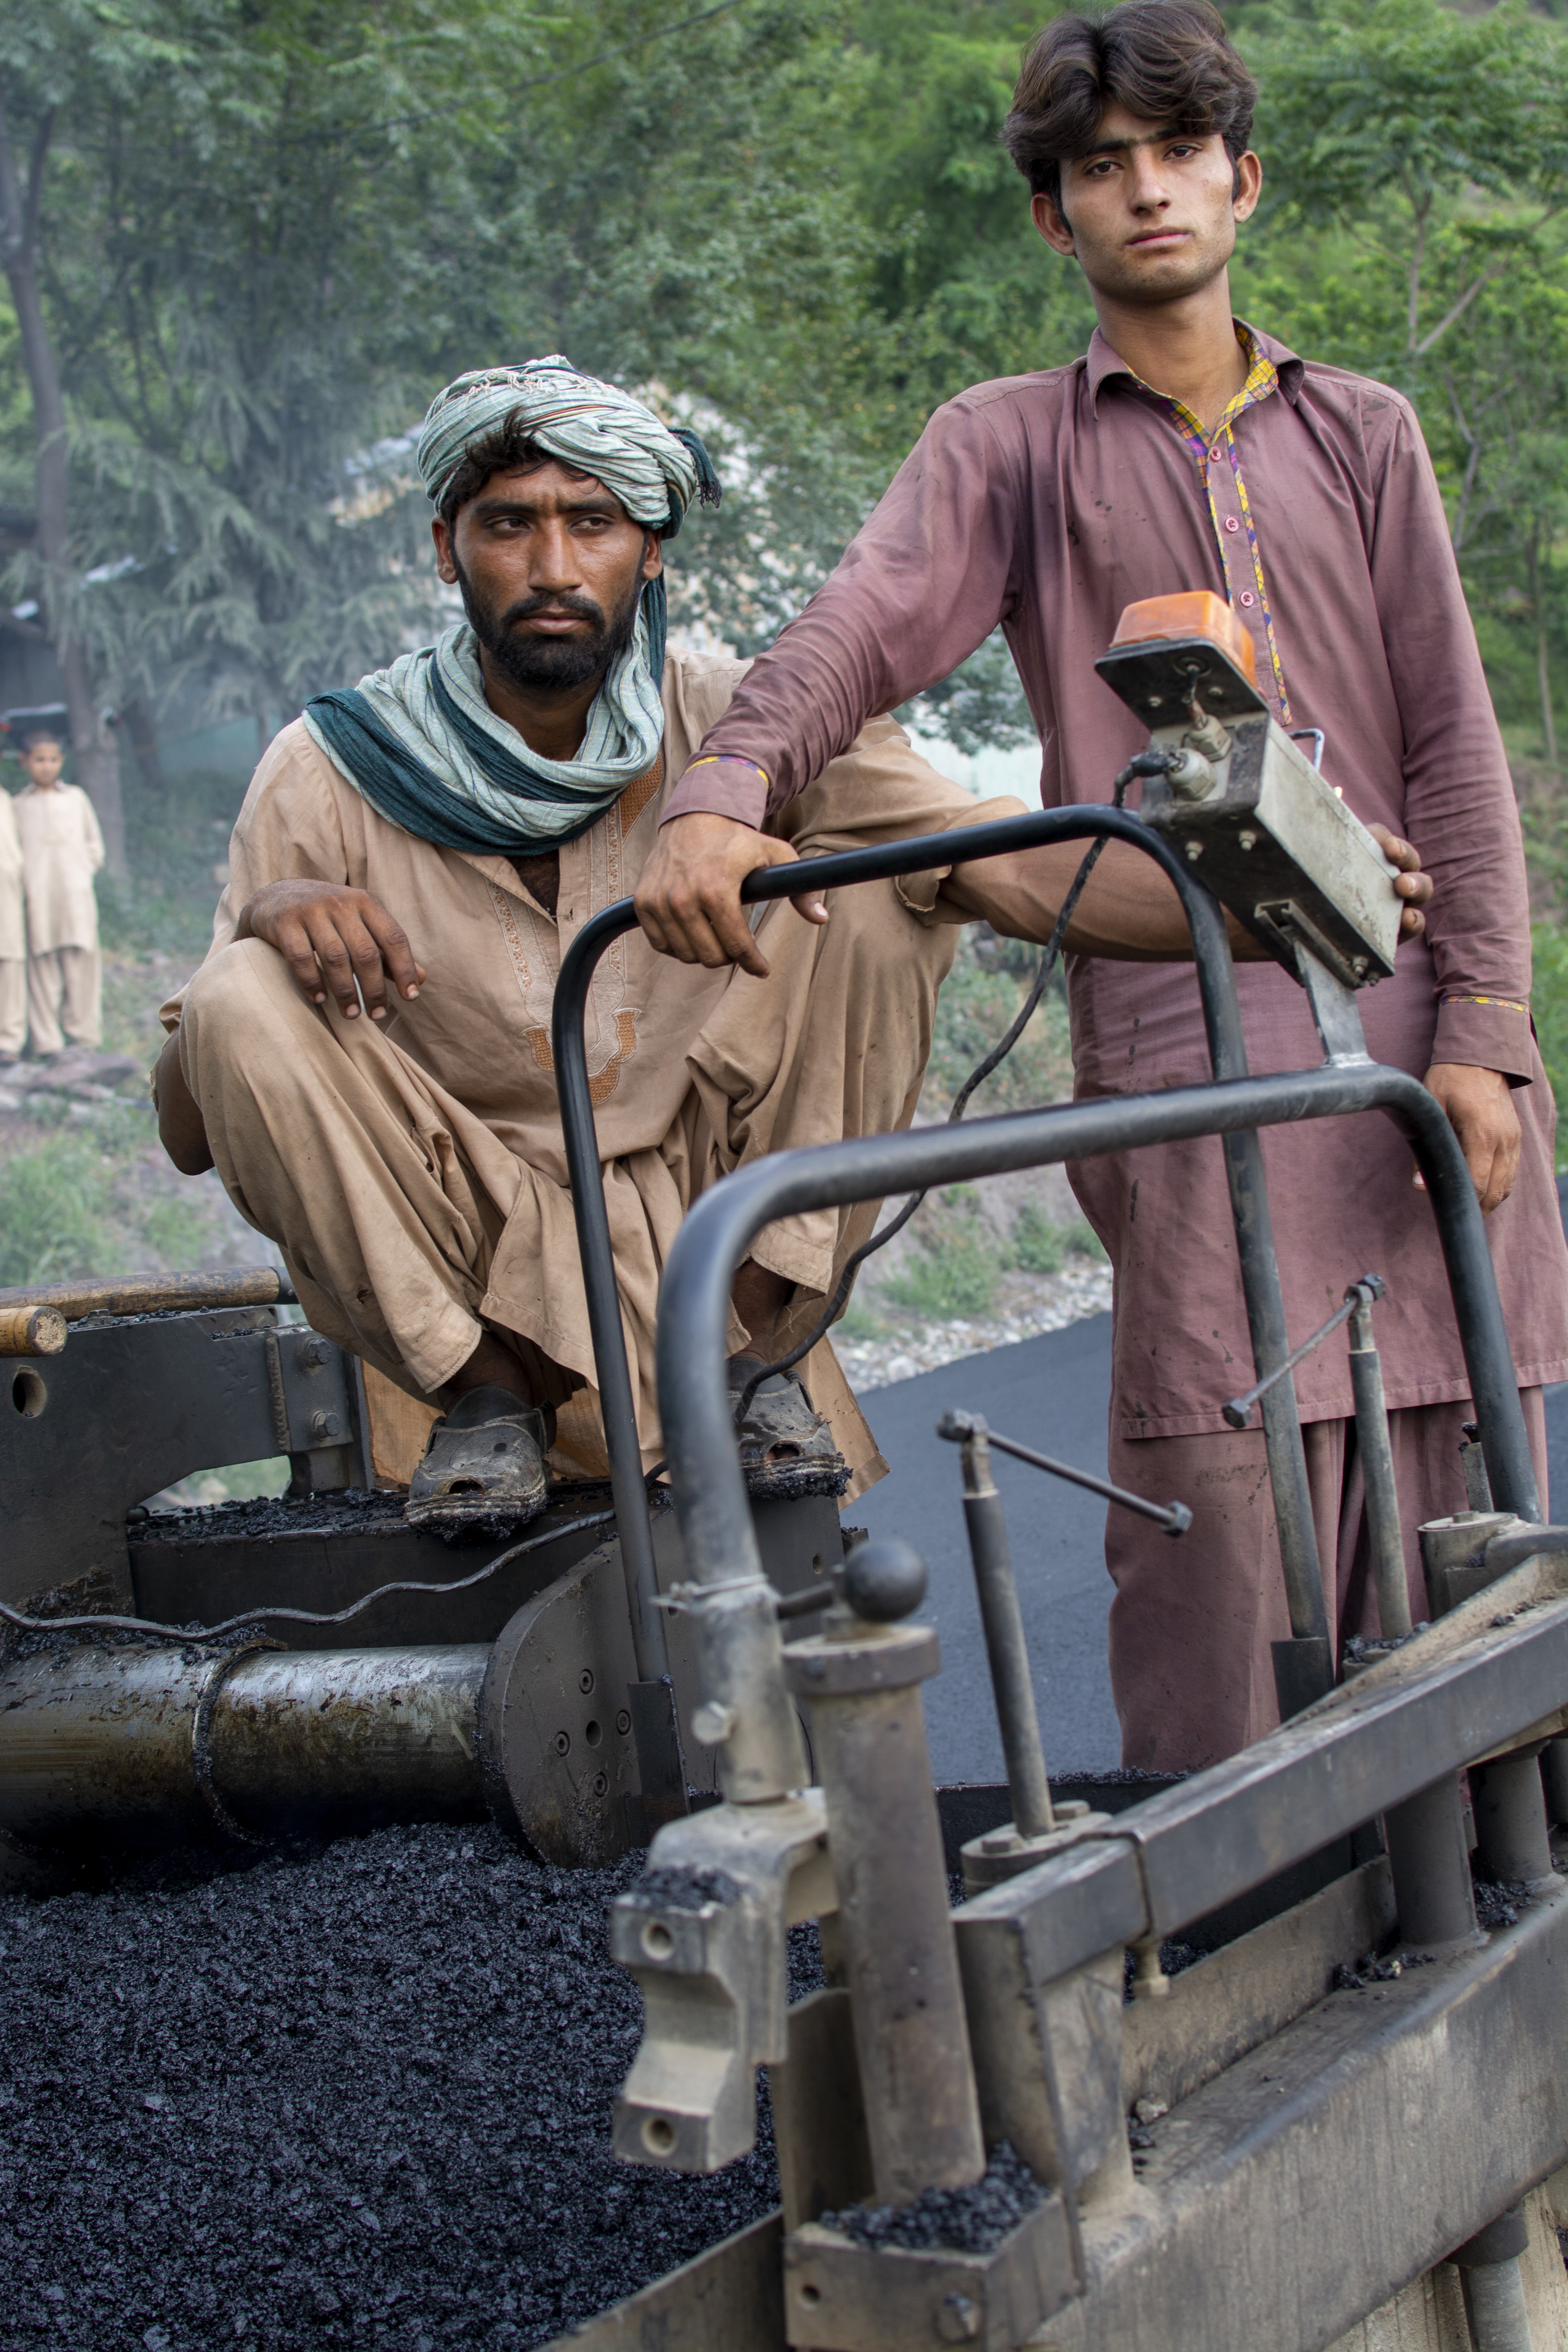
13,938
62,849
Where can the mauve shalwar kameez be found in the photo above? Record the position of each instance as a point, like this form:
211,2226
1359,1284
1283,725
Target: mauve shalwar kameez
1047,503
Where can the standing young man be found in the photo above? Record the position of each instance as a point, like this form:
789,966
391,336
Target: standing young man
62,849
1189,450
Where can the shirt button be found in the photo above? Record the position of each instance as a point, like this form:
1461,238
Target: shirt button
1246,598
1216,455
1231,523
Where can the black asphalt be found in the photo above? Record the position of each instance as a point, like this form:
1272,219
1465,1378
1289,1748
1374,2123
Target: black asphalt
1052,1392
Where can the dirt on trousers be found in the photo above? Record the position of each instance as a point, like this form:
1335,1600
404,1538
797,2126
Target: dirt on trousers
358,2095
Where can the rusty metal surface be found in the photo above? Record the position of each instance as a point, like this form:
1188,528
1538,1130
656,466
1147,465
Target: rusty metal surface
555,1730
325,1552
148,1742
1306,2185
729,2299
149,1293
367,1735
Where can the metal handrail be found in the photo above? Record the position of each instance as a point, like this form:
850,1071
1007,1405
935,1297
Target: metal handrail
1227,1055
709,1491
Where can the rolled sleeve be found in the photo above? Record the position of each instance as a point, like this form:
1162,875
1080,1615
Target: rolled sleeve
1489,1034
719,787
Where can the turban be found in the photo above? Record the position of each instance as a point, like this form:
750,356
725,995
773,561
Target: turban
655,471
419,741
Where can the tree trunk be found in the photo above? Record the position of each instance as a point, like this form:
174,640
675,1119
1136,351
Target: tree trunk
142,727
97,759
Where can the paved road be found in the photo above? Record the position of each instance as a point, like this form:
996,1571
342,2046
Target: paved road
1052,1392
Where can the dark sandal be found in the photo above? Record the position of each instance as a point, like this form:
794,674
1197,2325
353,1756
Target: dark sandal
786,1447
483,1465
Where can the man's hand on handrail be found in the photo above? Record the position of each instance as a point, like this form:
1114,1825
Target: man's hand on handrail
688,897
331,937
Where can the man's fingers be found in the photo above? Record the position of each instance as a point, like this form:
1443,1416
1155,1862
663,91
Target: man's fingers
293,943
396,955
346,953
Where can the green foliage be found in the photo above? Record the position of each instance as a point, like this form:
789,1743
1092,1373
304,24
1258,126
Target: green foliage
1039,1246
1548,1008
955,1267
973,1013
54,1212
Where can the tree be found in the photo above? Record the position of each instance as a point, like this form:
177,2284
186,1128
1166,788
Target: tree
41,78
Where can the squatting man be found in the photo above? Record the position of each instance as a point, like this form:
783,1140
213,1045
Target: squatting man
364,1054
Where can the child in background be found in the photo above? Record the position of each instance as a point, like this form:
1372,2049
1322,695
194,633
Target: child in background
62,849
12,938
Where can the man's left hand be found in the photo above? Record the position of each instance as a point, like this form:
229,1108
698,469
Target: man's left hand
1411,886
1479,1104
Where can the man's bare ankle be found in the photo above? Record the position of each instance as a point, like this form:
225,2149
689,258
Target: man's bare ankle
490,1366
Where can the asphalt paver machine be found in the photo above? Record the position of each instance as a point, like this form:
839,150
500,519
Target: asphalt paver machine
1000,2122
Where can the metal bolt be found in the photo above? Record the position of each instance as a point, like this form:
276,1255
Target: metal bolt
1195,850
586,1681
601,1784
562,1743
1360,966
325,1425
958,2319
623,1723
1248,840
712,1723
315,1352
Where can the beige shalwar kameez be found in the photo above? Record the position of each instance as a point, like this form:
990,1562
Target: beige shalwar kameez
412,1172
62,849
13,935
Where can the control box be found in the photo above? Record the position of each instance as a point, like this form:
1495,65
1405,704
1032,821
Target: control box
1240,802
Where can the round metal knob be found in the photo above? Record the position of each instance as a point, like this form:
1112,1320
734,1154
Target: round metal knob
884,1579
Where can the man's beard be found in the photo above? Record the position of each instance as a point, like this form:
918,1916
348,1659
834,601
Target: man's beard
553,664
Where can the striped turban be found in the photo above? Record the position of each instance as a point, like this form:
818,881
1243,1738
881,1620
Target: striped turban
654,469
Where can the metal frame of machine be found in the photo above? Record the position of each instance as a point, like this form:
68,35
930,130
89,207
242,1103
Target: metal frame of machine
1016,2029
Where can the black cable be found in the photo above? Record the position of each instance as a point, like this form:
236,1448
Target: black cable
292,1616
1147,763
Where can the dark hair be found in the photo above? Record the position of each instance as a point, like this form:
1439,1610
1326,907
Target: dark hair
1167,61
39,730
505,449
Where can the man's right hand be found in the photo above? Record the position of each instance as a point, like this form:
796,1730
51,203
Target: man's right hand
331,937
689,895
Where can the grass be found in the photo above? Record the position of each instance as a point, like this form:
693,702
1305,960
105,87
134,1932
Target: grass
1038,1246
55,1212
978,1001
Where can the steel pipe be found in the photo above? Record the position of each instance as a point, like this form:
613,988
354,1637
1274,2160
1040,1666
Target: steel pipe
862,1684
172,1741
1512,1841
1428,1856
710,1496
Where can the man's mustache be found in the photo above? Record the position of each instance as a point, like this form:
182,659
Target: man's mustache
578,608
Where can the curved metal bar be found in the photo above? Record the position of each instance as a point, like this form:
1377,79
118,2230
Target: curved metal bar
710,1492
1243,1160
1221,1016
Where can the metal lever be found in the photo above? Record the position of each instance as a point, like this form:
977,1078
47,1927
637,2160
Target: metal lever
1174,1518
1237,1410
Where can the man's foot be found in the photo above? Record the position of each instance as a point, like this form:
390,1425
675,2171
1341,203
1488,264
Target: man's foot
484,1465
786,1447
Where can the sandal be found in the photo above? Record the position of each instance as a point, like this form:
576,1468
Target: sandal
483,1465
786,1447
